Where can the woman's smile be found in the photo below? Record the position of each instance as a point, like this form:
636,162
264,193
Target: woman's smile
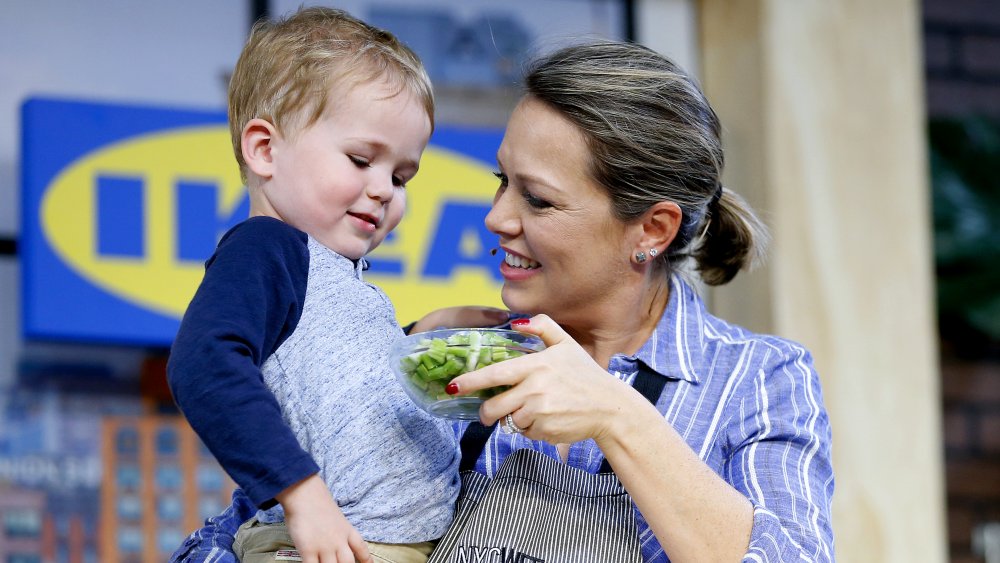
516,267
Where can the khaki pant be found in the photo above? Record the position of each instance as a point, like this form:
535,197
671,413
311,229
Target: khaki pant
271,543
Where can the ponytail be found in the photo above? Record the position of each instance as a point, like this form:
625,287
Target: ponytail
733,239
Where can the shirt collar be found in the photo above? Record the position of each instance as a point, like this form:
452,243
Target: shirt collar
675,349
342,263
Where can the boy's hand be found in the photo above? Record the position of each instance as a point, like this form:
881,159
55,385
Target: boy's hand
461,317
318,528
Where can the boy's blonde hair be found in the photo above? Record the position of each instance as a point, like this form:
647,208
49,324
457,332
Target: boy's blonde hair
289,66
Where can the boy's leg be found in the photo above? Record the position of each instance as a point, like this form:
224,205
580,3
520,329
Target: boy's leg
400,552
271,543
264,543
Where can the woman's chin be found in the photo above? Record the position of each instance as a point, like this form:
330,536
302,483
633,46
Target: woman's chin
518,302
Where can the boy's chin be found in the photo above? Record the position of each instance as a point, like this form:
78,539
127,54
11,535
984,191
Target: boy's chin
354,253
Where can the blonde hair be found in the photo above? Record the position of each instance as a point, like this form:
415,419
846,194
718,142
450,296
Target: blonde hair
289,66
653,137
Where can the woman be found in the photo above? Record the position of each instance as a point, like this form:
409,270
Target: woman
609,179
609,182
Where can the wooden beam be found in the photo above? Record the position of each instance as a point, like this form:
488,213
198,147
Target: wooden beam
822,105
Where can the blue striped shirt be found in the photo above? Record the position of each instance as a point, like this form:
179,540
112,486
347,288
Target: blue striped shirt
749,405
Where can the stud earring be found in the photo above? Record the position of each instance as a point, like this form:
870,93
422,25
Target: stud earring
652,253
640,257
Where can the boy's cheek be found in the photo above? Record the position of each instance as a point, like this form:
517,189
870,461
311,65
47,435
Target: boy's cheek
395,212
384,231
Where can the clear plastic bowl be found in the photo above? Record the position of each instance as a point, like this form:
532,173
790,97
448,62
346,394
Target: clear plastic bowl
426,362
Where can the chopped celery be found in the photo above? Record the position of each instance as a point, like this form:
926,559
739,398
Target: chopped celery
439,360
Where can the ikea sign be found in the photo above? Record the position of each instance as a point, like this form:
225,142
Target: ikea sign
122,205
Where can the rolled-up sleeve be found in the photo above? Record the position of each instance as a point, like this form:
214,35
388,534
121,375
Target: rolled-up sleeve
781,460
213,543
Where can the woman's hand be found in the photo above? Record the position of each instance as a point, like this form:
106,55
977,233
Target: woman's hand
559,395
461,317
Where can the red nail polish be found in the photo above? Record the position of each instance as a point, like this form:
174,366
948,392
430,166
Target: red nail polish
451,389
519,322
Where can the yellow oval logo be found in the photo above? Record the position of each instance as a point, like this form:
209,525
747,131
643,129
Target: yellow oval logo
116,217
442,243
154,163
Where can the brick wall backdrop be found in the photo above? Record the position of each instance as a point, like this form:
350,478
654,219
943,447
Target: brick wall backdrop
962,57
962,64
971,390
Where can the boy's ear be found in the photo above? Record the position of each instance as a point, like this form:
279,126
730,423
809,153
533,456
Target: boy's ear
257,143
659,226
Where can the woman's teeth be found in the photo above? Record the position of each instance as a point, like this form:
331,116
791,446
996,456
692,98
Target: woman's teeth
520,262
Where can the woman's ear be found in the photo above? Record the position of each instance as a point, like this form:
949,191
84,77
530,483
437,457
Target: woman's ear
659,226
257,143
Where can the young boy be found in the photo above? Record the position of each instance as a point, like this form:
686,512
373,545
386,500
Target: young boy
329,118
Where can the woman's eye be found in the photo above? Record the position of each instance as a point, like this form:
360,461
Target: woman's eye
398,182
528,197
359,162
534,201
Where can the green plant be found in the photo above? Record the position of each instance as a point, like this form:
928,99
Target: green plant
965,179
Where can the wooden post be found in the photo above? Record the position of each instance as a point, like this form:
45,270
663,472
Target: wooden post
822,105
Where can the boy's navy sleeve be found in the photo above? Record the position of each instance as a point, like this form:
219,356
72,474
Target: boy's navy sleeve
249,301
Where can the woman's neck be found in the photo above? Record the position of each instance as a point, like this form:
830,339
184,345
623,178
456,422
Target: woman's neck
622,326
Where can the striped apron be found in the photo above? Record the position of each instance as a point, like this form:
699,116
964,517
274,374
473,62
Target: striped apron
537,509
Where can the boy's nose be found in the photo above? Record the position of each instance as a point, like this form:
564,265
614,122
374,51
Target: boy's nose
381,189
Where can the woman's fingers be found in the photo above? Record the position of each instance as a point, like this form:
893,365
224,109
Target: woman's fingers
510,401
515,423
475,316
543,327
461,316
509,372
553,393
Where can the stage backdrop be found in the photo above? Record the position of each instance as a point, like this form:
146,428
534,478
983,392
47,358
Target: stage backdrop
123,204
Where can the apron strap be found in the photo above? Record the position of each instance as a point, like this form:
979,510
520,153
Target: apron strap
651,385
648,383
473,442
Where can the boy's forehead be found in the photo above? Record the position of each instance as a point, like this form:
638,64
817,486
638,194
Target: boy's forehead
373,112
344,92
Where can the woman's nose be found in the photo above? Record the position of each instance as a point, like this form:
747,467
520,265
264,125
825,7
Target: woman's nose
501,220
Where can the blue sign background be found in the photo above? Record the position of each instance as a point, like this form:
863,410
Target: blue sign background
57,303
